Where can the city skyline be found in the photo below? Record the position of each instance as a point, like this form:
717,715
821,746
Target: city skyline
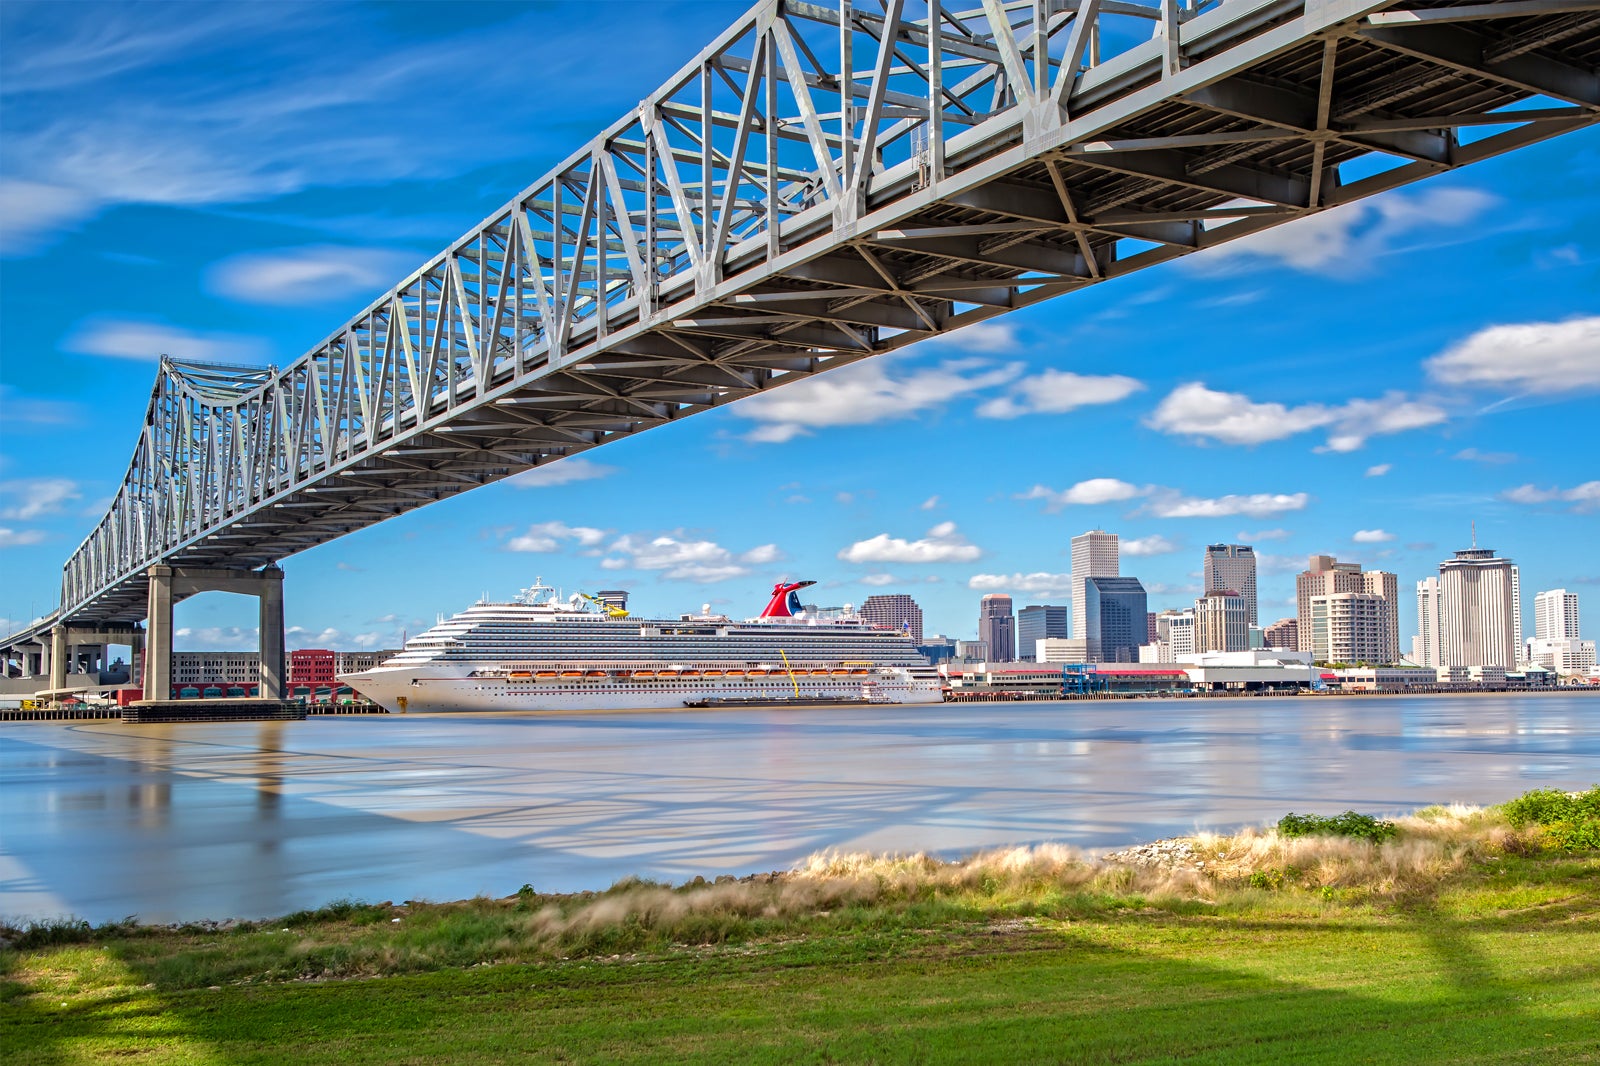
1160,405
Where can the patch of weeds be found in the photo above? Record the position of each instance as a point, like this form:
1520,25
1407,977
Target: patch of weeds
1273,879
1568,821
1348,824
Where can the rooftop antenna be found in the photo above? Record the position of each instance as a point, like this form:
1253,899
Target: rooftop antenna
1474,532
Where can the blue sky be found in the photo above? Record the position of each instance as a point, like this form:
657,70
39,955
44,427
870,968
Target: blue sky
232,181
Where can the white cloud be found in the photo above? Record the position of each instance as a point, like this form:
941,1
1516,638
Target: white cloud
311,274
1233,418
553,536
1371,536
33,213
122,338
1038,583
233,638
1264,534
1584,497
31,498
1169,503
878,579
678,559
1379,469
863,393
1540,358
930,503
1473,455
943,544
19,538
1058,391
991,338
1348,240
1095,490
1154,544
560,472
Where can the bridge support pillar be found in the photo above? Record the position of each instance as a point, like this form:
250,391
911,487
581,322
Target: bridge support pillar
271,633
58,658
158,636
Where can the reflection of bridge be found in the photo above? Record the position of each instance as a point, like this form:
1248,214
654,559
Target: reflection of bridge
823,183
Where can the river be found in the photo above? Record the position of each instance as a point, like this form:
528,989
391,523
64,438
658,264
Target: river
103,820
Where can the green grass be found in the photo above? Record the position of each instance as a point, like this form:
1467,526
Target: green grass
1463,940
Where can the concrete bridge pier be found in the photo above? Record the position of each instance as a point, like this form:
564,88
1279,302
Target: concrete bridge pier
167,584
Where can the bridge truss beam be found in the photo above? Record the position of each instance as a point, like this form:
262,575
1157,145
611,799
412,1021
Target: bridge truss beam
823,183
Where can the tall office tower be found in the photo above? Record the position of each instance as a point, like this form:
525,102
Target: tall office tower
1351,627
1219,623
896,611
1425,650
1555,615
1150,628
1326,576
1114,613
1037,622
1284,633
1094,554
1232,567
1477,599
997,628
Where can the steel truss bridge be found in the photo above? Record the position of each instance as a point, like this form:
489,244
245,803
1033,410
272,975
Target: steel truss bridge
823,183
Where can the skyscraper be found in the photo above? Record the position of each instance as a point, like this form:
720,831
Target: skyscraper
1284,633
1425,649
1094,554
1037,622
896,611
1477,601
1219,623
1232,567
1115,610
1555,615
997,628
1326,576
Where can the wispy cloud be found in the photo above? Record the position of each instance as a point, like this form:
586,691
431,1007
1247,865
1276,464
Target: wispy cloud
1058,391
1379,469
1165,502
124,338
1193,410
20,538
1584,497
1349,241
1154,544
1473,455
1371,536
312,274
1088,493
554,536
1038,583
678,558
28,499
869,392
561,472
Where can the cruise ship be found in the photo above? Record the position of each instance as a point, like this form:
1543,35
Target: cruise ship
545,652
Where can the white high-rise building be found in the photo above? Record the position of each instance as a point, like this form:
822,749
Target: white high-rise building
1219,623
1350,627
1425,645
1516,606
1555,615
1477,607
1566,656
1094,554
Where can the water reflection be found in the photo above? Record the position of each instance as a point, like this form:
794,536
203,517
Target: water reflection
255,819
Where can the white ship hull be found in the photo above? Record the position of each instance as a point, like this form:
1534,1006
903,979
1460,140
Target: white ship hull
423,690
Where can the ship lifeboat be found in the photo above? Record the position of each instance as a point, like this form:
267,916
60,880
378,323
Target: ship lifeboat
600,675
644,675
858,673
571,673
733,675
760,671
839,673
518,675
816,673
688,673
546,675
711,673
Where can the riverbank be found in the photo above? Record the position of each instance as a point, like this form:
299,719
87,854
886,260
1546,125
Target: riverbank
1468,937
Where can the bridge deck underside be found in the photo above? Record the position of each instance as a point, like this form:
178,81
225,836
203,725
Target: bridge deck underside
1257,147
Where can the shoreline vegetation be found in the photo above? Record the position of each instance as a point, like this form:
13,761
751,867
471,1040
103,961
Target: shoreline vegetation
1454,934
